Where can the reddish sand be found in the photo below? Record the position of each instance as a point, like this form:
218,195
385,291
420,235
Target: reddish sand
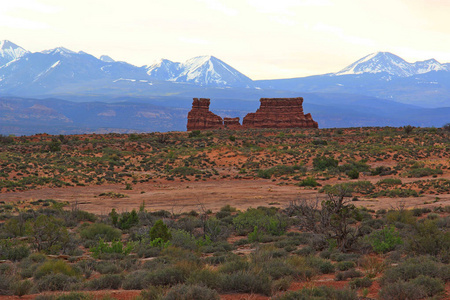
177,197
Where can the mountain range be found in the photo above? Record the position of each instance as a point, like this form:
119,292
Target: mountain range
365,91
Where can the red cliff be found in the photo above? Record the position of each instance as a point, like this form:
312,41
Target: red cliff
200,118
279,113
272,113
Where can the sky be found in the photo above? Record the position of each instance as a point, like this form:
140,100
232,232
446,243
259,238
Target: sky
264,39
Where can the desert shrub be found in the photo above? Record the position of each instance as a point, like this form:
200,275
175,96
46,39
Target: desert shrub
418,288
5,139
321,163
359,166
246,282
389,182
279,170
167,276
267,220
191,292
185,171
429,239
319,293
353,174
358,283
98,231
351,273
183,239
400,216
205,277
345,265
160,230
128,220
136,280
106,267
413,268
22,287
106,282
422,172
55,267
5,284
408,129
48,234
309,181
278,268
446,127
115,247
13,250
238,264
384,240
194,133
56,282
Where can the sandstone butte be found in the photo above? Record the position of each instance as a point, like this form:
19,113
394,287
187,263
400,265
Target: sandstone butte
272,113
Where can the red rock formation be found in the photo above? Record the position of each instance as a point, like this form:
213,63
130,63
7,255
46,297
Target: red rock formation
231,123
279,113
272,113
200,118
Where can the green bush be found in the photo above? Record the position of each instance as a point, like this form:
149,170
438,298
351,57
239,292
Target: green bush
106,282
309,181
206,277
98,231
279,170
191,292
267,220
418,288
55,267
160,230
321,163
384,240
353,174
246,282
422,172
359,283
167,276
389,182
56,282
22,287
115,247
345,265
319,293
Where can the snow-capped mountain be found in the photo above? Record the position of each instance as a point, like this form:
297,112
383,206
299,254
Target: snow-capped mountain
9,52
202,70
106,58
392,64
164,69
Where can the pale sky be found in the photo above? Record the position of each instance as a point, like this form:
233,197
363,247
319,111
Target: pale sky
264,39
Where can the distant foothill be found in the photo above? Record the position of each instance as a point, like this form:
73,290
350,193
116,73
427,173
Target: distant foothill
272,113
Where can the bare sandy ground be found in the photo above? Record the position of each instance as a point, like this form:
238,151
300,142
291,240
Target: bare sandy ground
178,197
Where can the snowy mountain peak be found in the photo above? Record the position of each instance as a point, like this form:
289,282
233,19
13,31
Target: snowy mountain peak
391,64
10,51
106,58
59,50
380,62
